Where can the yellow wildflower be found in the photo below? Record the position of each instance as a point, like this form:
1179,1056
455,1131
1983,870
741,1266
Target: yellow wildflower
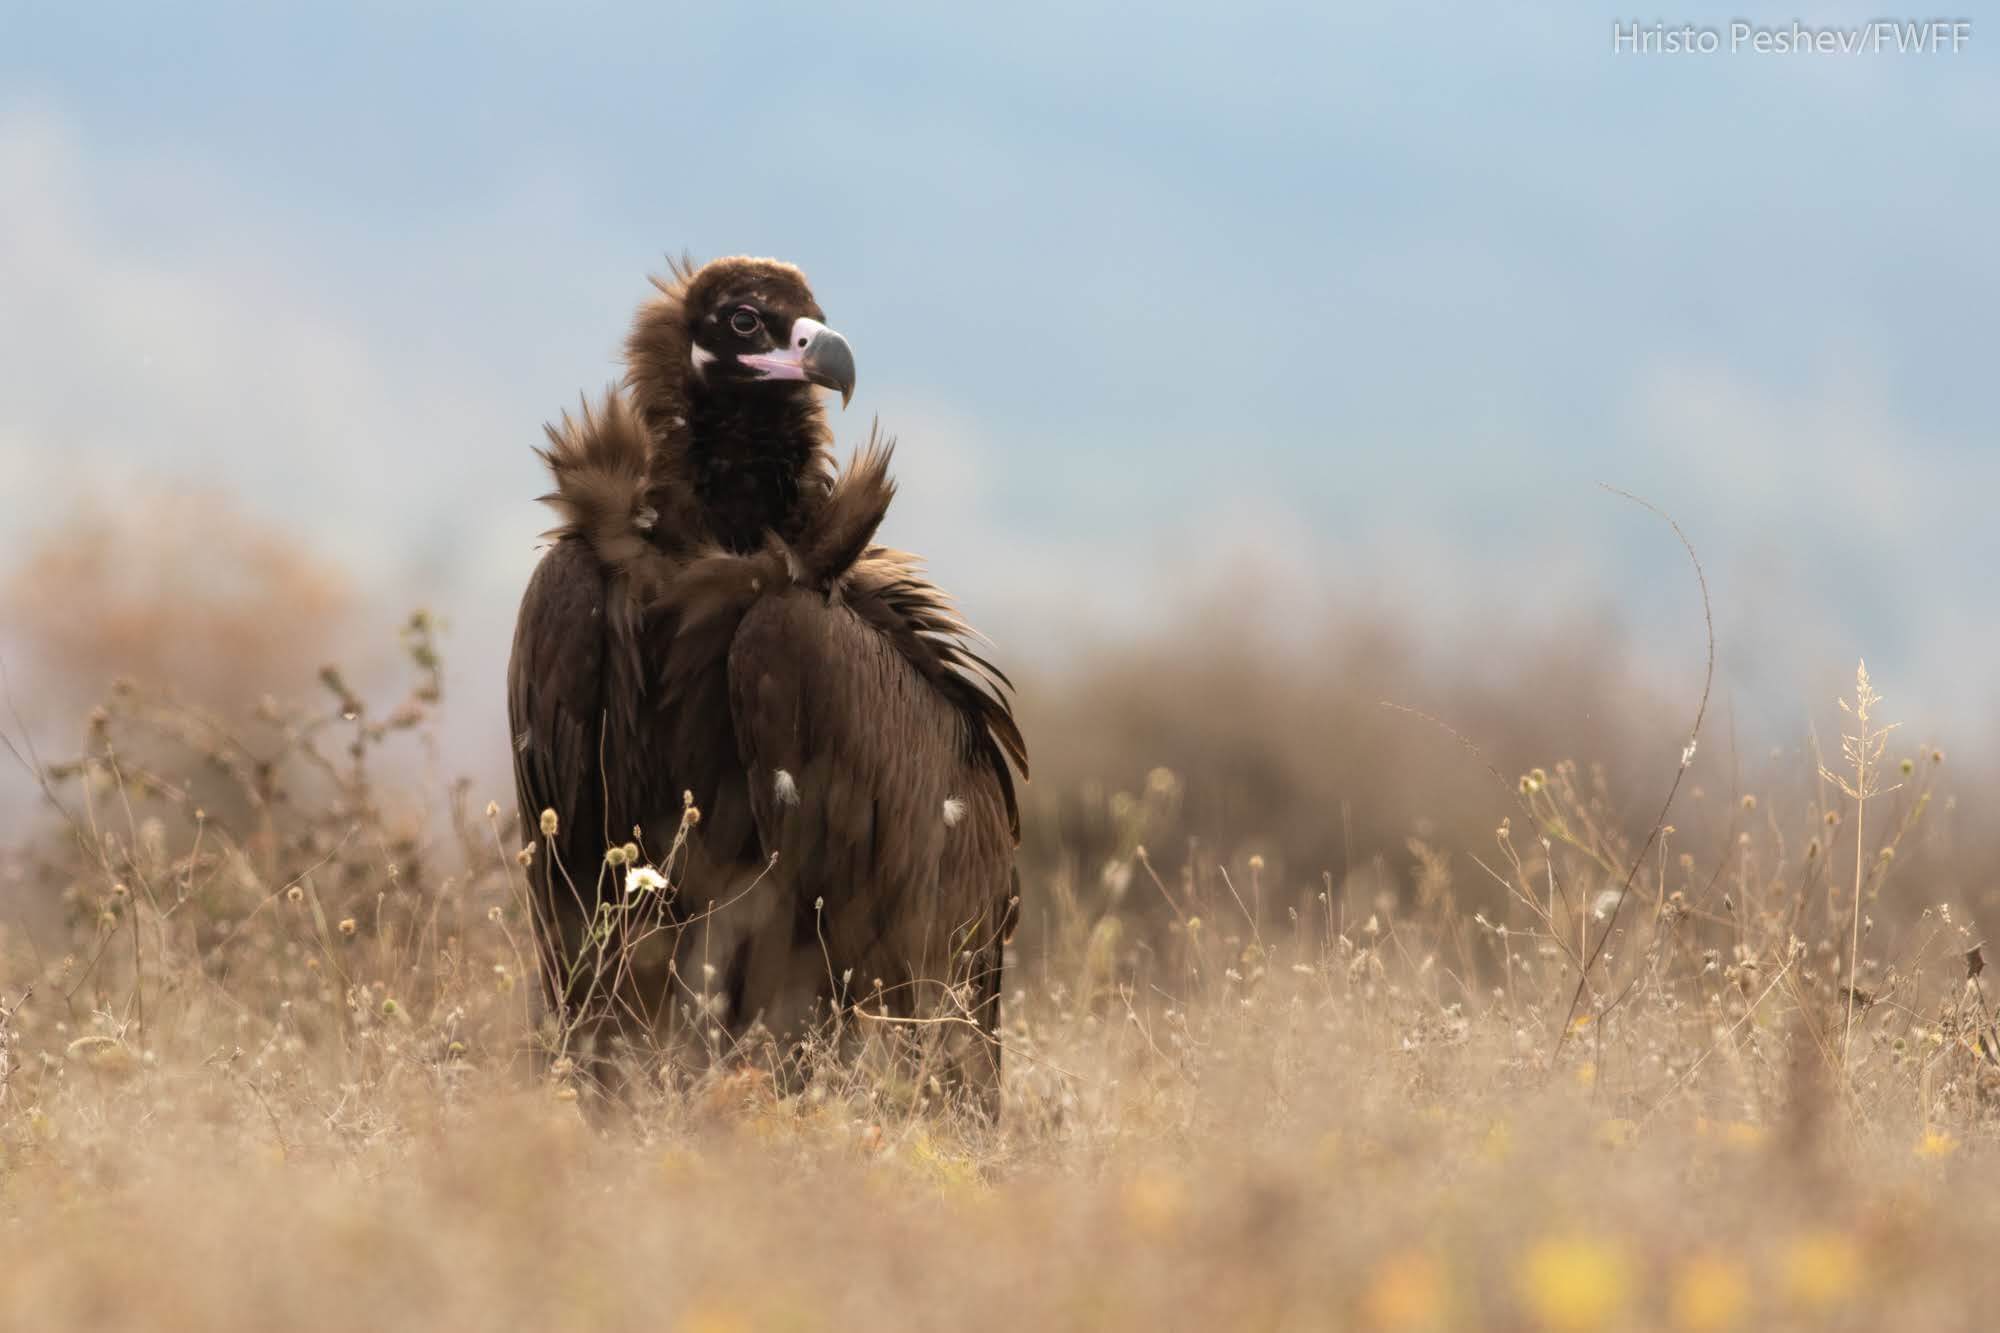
1822,1268
1710,1293
1574,1282
1408,1291
1936,1143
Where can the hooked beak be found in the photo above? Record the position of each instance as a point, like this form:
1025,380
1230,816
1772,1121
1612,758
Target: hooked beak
814,353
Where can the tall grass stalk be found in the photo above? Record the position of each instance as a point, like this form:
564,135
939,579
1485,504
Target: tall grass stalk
1862,748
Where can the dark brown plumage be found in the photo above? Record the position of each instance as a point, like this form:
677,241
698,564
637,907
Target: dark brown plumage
715,619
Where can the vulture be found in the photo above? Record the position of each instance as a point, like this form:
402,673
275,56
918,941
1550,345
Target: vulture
767,782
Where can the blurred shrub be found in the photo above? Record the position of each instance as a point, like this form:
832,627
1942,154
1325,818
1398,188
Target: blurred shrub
1214,741
181,589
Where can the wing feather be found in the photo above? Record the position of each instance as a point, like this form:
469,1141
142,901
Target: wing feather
871,752
555,707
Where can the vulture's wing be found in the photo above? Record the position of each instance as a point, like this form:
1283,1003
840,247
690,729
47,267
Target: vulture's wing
875,778
555,707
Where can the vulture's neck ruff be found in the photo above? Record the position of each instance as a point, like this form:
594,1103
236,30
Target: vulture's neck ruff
750,455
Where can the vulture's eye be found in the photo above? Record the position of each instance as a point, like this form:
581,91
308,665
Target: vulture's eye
745,321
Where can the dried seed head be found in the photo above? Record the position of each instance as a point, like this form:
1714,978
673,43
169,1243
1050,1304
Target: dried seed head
548,823
348,926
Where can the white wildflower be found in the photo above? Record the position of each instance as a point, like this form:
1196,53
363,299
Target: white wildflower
644,879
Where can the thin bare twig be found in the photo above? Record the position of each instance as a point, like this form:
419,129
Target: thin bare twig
1673,789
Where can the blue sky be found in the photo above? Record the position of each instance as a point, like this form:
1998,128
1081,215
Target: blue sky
1365,304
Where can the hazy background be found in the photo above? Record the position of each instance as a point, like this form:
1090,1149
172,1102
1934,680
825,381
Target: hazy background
1326,318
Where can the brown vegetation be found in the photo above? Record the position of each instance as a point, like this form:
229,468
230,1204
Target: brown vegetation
1292,1045
179,588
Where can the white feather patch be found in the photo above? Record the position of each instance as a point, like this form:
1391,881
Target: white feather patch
954,810
786,790
701,356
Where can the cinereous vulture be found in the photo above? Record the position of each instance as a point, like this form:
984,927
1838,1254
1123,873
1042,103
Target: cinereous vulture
713,628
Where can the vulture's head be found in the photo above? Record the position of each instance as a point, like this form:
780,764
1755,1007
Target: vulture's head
736,327
753,322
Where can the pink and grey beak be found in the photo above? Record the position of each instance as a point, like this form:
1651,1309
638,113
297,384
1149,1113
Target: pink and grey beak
814,353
